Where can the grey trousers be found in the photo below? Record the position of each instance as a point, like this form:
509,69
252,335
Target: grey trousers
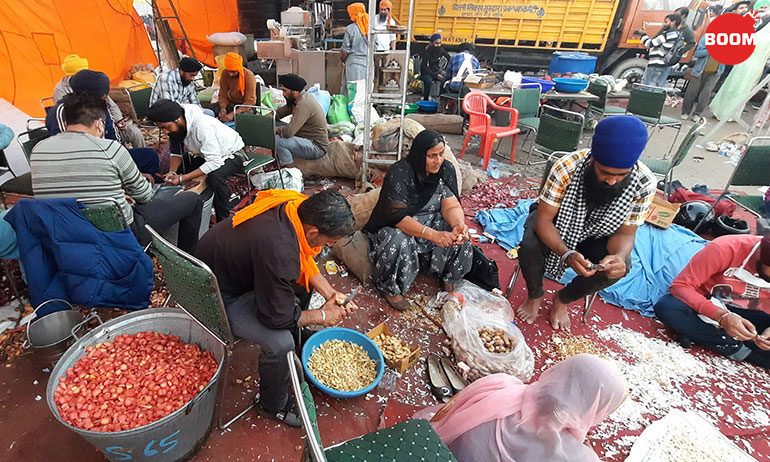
288,148
132,134
698,93
655,76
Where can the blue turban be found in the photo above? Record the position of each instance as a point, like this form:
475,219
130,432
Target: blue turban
435,37
618,141
92,82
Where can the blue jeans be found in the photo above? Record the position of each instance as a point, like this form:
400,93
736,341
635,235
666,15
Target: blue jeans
288,148
655,76
680,317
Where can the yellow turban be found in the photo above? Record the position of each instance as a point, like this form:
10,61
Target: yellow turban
74,63
234,62
357,12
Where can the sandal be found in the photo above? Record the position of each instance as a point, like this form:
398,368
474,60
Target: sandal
455,380
439,382
289,415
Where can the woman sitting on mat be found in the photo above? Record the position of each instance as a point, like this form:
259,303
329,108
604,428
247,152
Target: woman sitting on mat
499,418
418,223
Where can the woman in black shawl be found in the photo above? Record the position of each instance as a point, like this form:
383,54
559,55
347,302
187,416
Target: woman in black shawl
418,222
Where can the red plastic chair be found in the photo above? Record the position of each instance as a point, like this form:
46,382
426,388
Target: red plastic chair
476,104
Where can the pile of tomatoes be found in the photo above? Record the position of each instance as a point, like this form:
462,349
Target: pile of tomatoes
132,381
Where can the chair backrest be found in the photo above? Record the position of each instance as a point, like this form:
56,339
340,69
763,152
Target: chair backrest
646,101
600,89
47,103
313,446
257,126
559,133
475,104
754,165
140,99
526,100
194,287
104,213
29,139
688,142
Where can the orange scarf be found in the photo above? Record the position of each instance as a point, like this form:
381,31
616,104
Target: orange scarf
234,62
357,12
271,198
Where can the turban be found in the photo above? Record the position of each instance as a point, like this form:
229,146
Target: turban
435,37
91,82
619,141
165,110
234,62
358,15
387,4
189,65
292,81
764,250
761,3
74,63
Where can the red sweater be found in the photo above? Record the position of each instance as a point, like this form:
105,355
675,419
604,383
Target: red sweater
706,270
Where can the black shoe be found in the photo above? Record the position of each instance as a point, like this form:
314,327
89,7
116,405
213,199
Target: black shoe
685,342
288,415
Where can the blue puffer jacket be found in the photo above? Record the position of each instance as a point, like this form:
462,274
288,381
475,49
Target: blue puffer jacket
67,257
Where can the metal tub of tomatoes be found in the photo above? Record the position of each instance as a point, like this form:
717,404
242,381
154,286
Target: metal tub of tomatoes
141,387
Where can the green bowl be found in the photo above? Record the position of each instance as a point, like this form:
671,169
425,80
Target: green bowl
410,108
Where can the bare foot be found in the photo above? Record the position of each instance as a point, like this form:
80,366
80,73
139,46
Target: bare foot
397,302
527,311
559,314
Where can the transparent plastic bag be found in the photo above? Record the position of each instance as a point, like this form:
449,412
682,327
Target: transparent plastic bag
470,308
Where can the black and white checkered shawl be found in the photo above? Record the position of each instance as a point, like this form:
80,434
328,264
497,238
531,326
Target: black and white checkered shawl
575,225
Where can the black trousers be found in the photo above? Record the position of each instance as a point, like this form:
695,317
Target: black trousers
164,210
684,320
532,253
217,180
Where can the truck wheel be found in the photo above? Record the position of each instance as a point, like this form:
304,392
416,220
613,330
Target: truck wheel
630,69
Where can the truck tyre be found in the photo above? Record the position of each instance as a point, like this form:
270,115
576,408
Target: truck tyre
630,69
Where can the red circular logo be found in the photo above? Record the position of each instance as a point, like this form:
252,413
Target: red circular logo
730,38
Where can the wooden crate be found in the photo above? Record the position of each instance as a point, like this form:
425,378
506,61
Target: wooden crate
405,363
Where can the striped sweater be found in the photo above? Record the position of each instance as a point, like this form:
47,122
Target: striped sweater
74,164
659,46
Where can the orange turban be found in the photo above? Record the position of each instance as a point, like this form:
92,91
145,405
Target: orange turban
386,4
234,62
357,12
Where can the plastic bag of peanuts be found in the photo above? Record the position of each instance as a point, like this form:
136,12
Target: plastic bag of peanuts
483,335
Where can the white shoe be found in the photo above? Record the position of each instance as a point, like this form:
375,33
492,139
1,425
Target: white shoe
685,117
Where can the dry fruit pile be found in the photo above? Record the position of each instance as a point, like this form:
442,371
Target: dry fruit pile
392,347
496,340
132,381
341,365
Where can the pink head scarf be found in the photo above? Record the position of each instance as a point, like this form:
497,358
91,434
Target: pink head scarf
549,417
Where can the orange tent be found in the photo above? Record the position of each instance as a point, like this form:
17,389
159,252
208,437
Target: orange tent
201,18
36,36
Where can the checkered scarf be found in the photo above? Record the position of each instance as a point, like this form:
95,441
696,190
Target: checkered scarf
575,224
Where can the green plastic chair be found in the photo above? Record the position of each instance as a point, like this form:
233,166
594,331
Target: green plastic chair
257,129
414,439
559,130
752,170
665,167
646,102
104,213
195,289
600,89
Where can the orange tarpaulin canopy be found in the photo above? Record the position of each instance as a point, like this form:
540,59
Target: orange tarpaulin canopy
37,35
201,18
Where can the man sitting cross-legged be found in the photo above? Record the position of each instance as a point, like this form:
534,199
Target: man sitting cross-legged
586,218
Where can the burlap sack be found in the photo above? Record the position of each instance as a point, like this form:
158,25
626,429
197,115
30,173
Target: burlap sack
341,160
385,135
362,206
442,123
354,252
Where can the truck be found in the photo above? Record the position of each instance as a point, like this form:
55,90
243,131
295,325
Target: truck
523,34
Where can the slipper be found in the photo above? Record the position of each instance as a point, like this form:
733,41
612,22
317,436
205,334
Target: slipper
455,380
439,383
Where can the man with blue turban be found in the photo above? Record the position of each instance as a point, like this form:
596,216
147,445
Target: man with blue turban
586,218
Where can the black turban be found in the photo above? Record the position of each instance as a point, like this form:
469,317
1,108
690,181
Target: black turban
91,82
165,110
189,65
293,82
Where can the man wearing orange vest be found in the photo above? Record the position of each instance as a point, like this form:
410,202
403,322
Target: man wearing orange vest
263,260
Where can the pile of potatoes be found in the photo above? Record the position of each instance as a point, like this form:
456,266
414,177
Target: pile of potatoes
496,340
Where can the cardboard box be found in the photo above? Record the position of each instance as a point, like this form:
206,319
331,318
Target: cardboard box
661,213
480,81
405,363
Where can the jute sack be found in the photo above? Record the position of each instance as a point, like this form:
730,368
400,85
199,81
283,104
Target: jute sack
341,160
